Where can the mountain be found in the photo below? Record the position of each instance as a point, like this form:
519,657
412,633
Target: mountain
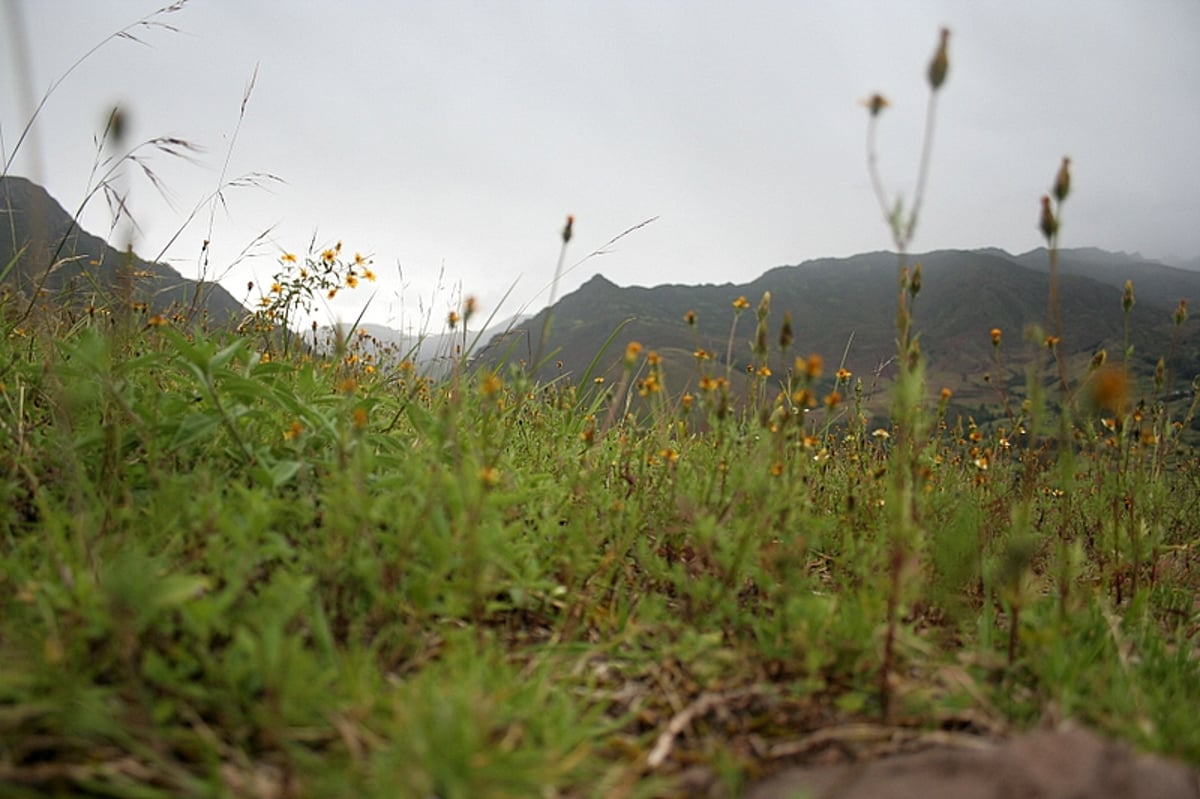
848,306
80,269
433,352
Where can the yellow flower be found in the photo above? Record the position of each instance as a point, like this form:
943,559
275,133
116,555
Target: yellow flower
352,280
276,288
369,275
360,418
844,374
741,303
288,258
328,256
632,351
996,336
293,432
332,293
491,385
811,366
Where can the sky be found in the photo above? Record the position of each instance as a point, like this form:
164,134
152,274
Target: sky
449,139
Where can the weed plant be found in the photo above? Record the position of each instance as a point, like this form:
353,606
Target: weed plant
235,565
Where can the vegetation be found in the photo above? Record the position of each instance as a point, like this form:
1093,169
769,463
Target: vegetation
233,565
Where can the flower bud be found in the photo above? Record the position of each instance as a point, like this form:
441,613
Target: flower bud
940,63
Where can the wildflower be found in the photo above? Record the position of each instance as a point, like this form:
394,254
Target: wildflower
832,400
811,366
995,337
491,385
288,258
701,355
653,358
686,401
352,280
1110,389
276,288
844,374
332,293
632,351
452,319
669,455
359,259
741,303
156,321
946,394
776,468
804,398
1051,342
469,305
880,434
764,371
360,418
940,64
369,275
328,256
690,318
489,476
293,432
347,386
876,103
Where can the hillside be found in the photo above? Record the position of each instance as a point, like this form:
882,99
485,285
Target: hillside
847,305
81,269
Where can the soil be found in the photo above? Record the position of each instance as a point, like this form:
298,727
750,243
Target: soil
1067,763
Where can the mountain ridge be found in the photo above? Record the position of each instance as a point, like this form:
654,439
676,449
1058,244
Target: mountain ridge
59,257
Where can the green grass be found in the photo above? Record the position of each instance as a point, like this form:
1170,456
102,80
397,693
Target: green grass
232,567
230,575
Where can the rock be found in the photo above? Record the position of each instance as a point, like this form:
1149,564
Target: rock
1069,763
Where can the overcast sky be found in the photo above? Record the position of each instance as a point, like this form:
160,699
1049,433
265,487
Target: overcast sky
454,137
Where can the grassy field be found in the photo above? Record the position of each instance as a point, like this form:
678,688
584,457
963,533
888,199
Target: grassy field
232,567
